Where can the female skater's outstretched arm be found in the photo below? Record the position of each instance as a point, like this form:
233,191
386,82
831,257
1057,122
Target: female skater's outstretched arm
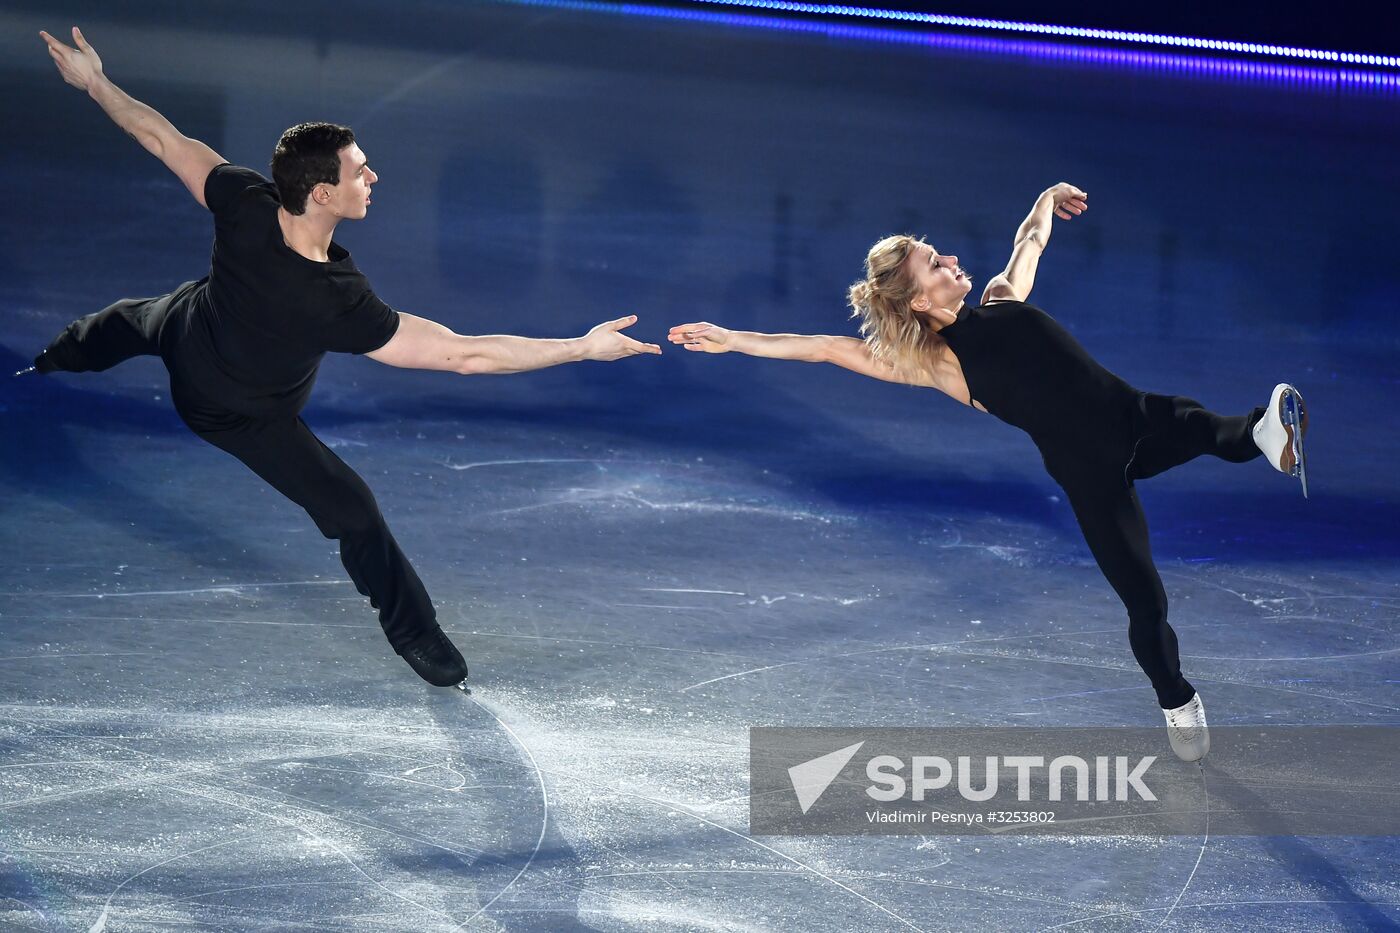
190,159
847,352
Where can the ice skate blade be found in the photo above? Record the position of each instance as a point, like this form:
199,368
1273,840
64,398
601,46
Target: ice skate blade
1295,419
26,371
464,688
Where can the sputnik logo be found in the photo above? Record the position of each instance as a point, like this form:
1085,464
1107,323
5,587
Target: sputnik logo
811,778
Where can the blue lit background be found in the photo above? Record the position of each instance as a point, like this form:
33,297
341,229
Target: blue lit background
546,166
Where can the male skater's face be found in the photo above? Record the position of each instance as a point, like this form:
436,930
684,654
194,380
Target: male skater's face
350,197
940,281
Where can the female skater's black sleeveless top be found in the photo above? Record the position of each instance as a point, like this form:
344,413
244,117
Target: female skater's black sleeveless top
1027,370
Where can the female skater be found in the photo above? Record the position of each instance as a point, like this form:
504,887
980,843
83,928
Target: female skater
244,343
1096,433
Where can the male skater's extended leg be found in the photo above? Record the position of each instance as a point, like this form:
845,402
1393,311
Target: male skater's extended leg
127,328
1115,529
285,453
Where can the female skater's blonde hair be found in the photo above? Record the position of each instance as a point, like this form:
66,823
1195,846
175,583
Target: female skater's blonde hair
892,330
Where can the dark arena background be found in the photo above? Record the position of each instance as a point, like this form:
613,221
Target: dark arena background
201,725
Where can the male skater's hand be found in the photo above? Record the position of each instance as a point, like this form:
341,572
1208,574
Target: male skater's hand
606,342
80,67
701,337
1068,200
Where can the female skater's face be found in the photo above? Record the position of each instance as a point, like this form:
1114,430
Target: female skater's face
940,281
350,197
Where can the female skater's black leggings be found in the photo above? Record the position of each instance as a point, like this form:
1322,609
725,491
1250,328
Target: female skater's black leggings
1115,528
282,450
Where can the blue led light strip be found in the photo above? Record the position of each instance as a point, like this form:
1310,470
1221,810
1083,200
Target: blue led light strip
1078,32
1314,77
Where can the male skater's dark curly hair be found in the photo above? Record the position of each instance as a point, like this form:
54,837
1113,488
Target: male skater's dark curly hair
307,155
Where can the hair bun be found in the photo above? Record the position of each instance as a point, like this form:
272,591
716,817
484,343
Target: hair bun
860,295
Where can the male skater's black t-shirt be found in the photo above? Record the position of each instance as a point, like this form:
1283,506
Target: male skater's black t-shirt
255,330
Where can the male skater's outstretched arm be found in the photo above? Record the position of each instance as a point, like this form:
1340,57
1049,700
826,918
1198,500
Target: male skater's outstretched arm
190,159
423,344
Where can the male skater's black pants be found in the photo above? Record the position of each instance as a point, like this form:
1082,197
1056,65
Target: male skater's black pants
1172,431
281,449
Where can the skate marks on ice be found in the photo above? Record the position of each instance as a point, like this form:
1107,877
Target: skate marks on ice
218,589
651,791
360,818
599,774
657,485
1298,626
655,811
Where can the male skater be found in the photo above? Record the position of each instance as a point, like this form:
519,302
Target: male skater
243,344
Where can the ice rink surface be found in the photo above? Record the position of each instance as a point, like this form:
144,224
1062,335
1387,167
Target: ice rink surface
201,725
